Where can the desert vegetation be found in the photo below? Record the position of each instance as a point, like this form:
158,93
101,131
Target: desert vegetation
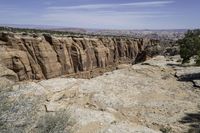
26,31
54,123
29,30
190,46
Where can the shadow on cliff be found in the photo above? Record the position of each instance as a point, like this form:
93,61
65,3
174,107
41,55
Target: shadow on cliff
141,57
193,121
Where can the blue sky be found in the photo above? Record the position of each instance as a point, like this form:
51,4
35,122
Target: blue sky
104,14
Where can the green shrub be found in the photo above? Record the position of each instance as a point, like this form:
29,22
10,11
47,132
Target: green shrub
166,129
190,46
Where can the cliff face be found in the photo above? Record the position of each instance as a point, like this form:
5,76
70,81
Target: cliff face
45,56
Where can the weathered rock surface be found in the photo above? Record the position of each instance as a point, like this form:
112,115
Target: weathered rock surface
7,77
144,98
196,83
45,56
189,73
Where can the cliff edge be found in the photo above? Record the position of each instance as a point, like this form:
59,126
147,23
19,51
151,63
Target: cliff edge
45,56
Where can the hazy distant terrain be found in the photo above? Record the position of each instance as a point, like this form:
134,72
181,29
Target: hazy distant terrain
174,34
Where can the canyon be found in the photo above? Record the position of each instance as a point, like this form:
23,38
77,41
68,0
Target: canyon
95,84
47,56
141,98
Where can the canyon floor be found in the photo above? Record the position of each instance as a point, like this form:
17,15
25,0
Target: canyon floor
141,98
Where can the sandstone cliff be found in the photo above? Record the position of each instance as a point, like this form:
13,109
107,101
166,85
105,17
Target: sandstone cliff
45,56
142,98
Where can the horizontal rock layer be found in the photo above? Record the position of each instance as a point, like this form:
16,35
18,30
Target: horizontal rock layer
45,56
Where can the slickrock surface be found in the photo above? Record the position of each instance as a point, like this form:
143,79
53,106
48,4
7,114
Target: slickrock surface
44,56
143,98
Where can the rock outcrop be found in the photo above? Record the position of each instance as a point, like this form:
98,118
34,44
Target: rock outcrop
44,56
188,74
142,98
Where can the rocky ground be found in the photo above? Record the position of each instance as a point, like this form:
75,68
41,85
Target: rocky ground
152,97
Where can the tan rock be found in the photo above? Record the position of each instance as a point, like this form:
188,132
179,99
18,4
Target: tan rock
43,57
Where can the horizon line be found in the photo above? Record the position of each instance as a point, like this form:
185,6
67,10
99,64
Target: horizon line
33,26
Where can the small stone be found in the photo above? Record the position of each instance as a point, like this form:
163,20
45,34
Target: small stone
196,83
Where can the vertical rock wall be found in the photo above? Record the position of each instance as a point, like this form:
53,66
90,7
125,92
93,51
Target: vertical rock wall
45,56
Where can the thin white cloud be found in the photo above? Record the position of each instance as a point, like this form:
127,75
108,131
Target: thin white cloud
101,6
103,19
106,15
116,16
150,3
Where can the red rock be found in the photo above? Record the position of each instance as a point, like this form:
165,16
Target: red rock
44,57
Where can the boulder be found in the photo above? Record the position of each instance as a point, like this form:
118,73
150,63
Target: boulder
188,74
